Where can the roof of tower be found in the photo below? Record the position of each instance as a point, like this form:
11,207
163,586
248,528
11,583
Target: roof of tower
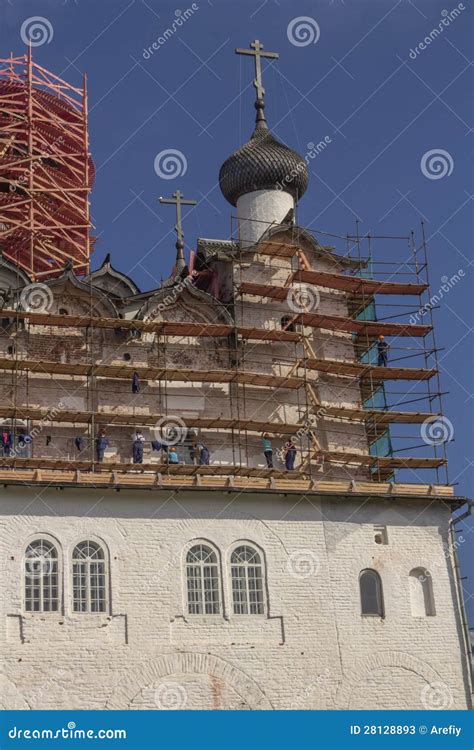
263,163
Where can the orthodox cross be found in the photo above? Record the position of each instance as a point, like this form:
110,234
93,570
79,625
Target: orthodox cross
258,53
178,200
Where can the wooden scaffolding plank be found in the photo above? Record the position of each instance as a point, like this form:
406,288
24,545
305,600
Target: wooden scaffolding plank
386,462
133,419
360,327
367,371
277,249
356,284
151,373
297,482
210,330
182,470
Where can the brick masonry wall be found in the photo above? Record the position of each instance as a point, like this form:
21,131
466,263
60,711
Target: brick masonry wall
311,648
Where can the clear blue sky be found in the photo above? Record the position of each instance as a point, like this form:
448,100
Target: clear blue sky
381,109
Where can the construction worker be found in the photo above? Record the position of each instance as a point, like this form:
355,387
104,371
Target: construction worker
204,455
172,455
101,443
382,349
267,449
290,455
137,447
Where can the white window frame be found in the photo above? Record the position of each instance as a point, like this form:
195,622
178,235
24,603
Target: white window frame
201,588
44,572
88,574
244,566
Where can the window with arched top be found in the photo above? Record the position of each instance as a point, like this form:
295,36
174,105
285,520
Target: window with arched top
371,594
247,581
421,593
41,577
89,578
202,580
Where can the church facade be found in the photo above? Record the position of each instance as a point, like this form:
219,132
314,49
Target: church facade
192,514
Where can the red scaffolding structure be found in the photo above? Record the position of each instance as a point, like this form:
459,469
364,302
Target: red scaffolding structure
46,171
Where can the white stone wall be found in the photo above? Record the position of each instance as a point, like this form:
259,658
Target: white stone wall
311,648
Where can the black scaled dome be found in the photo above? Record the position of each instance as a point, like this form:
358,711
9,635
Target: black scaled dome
263,163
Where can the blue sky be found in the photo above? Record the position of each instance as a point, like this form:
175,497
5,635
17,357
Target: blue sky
380,110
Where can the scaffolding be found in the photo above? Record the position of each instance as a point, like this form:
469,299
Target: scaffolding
366,284
46,172
257,364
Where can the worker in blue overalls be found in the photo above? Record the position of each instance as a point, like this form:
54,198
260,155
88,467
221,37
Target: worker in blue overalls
137,447
101,443
382,349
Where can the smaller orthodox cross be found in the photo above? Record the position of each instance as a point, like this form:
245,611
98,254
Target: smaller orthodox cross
258,53
178,200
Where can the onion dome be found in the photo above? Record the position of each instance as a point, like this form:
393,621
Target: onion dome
263,163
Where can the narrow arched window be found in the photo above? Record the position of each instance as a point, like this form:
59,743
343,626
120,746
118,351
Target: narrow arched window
421,593
202,577
371,595
247,581
41,571
89,578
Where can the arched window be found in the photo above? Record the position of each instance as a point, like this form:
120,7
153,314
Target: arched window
247,581
41,571
202,576
89,578
371,596
421,593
